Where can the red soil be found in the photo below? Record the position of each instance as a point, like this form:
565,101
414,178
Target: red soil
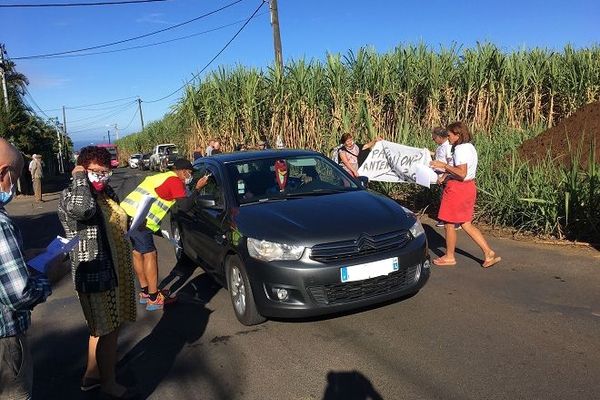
572,133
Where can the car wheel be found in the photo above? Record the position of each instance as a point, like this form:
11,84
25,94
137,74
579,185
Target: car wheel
176,235
240,293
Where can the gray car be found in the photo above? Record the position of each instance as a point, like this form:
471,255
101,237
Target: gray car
290,234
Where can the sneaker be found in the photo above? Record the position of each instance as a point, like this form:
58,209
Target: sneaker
457,227
144,298
156,304
440,224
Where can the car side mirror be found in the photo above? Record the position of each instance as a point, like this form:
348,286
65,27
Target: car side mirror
364,181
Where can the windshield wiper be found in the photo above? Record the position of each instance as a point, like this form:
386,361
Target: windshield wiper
317,192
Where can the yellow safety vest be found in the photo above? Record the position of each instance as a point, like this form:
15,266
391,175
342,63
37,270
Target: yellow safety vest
159,207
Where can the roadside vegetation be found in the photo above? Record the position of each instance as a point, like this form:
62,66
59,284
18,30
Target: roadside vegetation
506,97
20,125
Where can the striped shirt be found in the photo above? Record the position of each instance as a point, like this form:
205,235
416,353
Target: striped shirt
19,290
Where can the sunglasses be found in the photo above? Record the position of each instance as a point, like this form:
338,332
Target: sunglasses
101,174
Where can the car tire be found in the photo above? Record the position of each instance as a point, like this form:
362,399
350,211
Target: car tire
240,292
176,235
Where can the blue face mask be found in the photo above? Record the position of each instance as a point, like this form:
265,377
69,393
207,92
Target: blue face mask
6,197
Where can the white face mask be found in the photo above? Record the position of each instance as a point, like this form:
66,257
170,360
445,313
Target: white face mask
189,179
6,197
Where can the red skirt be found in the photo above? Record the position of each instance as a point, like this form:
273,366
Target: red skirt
458,202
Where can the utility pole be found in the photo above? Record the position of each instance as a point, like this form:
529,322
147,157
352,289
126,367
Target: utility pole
3,76
116,132
61,167
141,115
109,136
276,34
64,121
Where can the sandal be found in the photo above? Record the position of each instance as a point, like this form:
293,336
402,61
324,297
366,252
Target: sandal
444,262
489,261
88,384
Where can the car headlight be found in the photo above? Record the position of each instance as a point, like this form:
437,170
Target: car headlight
417,229
270,251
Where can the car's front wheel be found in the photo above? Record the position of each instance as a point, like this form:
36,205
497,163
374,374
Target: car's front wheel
240,293
176,235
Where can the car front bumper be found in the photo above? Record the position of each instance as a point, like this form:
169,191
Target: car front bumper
315,288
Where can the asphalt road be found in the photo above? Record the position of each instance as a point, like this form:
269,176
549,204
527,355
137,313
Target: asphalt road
526,329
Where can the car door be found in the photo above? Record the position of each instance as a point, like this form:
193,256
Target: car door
208,223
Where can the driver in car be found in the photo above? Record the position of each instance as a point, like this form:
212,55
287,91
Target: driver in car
282,183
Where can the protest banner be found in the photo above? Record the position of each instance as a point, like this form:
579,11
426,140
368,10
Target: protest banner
393,162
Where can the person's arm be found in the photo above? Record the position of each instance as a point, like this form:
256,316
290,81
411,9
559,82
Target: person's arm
79,203
371,143
459,171
346,162
18,289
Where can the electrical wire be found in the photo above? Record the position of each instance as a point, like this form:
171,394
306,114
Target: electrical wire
103,117
129,39
98,104
212,59
121,107
99,3
149,44
131,121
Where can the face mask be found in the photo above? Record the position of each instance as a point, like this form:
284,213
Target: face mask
98,182
188,180
6,197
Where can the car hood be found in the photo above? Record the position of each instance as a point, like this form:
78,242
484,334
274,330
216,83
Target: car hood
312,220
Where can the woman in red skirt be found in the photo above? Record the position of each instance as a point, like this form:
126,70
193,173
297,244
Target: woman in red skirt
458,198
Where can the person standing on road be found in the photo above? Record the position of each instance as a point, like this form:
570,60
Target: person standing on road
458,198
164,189
101,264
21,288
35,167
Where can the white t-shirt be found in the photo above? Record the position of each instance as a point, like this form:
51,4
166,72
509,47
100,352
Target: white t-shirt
466,154
443,152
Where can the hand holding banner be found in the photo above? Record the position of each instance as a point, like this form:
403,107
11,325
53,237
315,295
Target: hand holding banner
392,162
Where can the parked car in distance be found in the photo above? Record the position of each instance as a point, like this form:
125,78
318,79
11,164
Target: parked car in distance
144,163
163,156
306,242
134,160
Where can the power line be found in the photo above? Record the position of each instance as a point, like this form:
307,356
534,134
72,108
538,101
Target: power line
131,121
212,59
129,39
120,107
149,44
103,117
98,104
99,3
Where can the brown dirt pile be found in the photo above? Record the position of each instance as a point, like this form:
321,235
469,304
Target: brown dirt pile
562,140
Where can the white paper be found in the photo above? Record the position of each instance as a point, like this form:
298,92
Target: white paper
57,247
141,213
425,176
393,162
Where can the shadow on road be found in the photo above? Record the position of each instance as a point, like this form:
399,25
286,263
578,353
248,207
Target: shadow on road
147,364
39,230
349,386
437,242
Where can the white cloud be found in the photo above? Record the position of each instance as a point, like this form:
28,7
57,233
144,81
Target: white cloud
153,18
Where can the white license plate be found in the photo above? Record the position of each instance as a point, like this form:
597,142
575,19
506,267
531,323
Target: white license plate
369,270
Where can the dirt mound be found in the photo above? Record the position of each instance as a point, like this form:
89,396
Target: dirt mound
562,140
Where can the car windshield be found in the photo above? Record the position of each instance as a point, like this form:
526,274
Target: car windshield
285,178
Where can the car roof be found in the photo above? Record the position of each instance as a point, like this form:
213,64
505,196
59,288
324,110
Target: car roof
237,156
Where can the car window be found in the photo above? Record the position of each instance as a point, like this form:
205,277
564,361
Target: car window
265,179
214,188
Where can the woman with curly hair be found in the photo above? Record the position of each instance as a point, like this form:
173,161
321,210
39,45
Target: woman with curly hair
458,198
101,265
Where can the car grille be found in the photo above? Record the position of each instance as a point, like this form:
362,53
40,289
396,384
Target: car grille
364,245
340,293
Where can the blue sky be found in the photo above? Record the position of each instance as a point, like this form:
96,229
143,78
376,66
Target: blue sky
309,28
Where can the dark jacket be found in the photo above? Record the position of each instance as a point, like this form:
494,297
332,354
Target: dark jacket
79,213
